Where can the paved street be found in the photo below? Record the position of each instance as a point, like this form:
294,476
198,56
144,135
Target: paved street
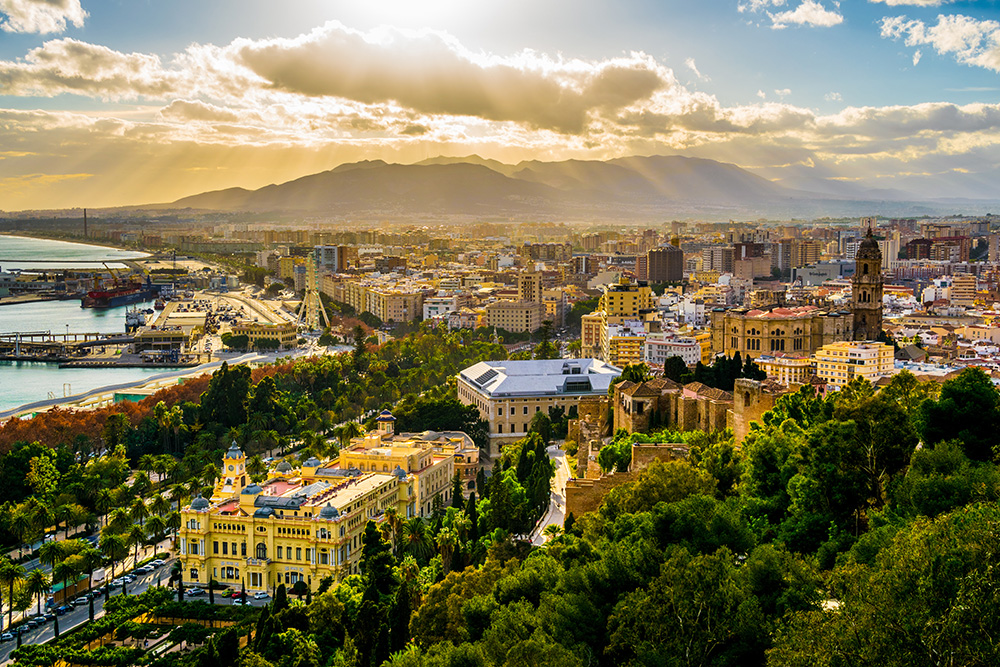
557,504
79,615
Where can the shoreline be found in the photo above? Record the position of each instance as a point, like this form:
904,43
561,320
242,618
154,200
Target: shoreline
101,244
102,395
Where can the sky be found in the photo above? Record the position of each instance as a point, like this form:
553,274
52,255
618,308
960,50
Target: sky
108,103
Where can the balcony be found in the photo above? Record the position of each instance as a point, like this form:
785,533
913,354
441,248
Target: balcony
258,562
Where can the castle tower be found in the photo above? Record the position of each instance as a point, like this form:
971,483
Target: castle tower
386,423
866,290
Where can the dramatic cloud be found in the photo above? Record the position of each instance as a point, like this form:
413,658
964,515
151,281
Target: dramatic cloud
430,72
810,13
254,112
70,66
40,16
970,41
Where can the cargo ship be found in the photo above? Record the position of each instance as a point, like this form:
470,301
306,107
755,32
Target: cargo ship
119,295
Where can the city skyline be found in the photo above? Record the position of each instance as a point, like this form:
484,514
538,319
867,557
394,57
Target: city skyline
107,104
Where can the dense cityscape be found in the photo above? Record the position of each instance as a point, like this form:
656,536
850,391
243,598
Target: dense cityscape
450,334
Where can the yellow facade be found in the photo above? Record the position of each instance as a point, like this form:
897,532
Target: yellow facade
286,334
839,363
286,530
515,316
786,370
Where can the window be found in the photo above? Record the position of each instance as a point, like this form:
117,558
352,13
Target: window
499,428
194,573
215,547
298,553
262,551
225,548
499,412
194,548
280,549
243,549
324,557
526,409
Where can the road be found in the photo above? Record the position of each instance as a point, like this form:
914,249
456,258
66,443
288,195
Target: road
557,504
79,615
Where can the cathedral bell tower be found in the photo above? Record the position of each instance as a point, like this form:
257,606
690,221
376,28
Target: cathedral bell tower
866,290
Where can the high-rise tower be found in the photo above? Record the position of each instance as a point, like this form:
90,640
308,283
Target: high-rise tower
866,290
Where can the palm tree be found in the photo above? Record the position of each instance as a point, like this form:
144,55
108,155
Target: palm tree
38,586
415,541
446,541
104,502
63,515
50,552
11,574
136,537
177,574
20,524
91,559
159,505
155,528
552,531
114,547
174,524
138,511
395,525
63,572
348,431
177,493
119,521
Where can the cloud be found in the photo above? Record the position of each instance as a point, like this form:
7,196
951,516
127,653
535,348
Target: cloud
913,3
758,5
690,64
970,41
430,72
810,13
40,16
761,94
916,57
71,66
832,97
783,92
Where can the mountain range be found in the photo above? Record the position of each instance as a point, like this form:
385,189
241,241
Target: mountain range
630,188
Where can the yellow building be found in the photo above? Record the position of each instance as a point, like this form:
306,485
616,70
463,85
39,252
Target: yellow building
515,316
800,330
615,332
286,334
841,362
786,370
377,451
287,529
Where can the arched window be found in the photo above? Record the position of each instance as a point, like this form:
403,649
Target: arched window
864,269
262,551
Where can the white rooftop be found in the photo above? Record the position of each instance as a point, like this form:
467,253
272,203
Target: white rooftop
541,377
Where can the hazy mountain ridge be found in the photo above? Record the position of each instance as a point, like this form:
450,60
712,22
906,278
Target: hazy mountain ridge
630,187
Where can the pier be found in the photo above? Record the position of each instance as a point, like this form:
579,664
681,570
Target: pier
32,345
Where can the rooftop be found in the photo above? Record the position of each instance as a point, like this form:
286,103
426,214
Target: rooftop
541,377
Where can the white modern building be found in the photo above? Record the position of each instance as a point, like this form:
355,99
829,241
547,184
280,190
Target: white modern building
509,393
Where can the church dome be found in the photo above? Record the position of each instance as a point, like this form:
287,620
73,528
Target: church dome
252,490
199,504
313,462
399,473
284,467
868,249
234,451
329,512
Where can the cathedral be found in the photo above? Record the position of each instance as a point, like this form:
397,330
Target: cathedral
866,290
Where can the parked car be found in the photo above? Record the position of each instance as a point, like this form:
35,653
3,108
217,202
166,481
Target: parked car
227,593
194,592
80,601
49,617
237,602
62,610
128,578
158,562
261,595
6,637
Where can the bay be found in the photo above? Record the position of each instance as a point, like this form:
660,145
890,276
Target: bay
26,382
